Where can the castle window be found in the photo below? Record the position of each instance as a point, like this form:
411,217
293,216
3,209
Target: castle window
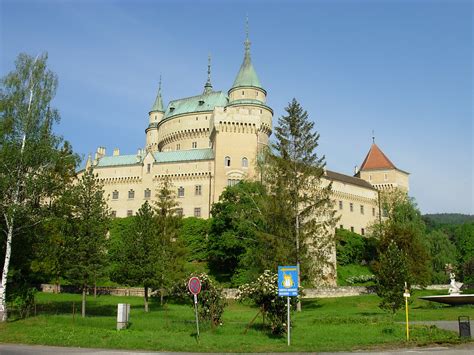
147,194
370,177
197,212
195,145
181,191
362,231
341,226
178,146
352,229
129,213
243,93
227,161
113,214
197,190
131,194
156,117
351,207
340,205
148,168
245,162
373,211
115,195
171,109
179,212
385,177
361,209
232,182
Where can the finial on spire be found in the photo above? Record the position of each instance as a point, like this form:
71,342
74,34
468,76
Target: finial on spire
208,86
247,41
159,85
373,137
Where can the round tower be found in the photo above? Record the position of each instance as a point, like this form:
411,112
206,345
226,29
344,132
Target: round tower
155,115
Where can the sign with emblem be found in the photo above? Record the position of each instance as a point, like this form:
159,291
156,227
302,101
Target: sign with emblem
194,285
288,281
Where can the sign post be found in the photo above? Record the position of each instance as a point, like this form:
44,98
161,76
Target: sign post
194,286
407,295
288,286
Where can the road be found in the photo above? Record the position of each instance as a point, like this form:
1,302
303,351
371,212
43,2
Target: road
16,349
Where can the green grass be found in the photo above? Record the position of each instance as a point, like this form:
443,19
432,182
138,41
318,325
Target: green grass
346,271
324,325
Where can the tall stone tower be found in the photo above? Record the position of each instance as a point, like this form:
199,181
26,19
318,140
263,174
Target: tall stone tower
240,128
381,173
156,114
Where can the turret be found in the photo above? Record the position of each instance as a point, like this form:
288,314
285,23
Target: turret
247,87
156,114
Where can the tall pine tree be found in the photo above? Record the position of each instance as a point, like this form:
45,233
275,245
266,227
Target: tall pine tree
171,251
301,203
86,239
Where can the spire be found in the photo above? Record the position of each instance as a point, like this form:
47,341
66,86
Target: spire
158,104
376,159
208,86
247,75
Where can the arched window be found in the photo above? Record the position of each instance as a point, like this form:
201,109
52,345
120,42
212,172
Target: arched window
131,194
147,194
115,195
227,161
181,191
245,162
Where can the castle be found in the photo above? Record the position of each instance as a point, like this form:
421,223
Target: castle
209,141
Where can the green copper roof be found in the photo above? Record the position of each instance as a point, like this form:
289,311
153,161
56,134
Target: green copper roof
158,104
117,160
199,103
247,75
160,157
184,155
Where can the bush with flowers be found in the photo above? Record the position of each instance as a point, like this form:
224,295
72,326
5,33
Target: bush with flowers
264,293
211,301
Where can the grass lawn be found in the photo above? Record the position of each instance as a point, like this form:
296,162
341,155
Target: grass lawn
324,325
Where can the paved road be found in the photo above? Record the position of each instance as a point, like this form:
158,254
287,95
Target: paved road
15,349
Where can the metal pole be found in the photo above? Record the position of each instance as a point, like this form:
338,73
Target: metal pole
288,320
196,311
406,311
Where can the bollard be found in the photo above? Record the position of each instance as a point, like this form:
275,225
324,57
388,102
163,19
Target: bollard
123,313
464,327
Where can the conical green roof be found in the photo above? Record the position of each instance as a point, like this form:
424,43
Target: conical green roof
158,104
247,75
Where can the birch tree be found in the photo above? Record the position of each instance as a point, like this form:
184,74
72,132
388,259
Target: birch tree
29,152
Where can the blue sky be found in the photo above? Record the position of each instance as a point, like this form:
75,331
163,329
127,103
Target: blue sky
400,68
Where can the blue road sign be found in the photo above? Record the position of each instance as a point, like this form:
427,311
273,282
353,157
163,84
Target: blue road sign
287,281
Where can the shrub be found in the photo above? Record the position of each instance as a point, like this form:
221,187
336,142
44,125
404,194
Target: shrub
360,279
264,293
353,248
211,301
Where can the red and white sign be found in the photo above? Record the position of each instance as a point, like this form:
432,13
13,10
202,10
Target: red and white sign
194,285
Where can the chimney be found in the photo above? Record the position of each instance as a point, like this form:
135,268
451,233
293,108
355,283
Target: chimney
99,153
356,170
116,152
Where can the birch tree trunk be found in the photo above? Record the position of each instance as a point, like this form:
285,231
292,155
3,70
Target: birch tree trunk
3,286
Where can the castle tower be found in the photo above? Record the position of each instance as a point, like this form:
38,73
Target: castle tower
240,128
381,173
155,115
247,87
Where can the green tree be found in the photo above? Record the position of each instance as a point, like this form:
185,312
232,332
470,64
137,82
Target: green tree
391,273
464,240
171,251
302,207
87,232
237,219
194,233
442,252
405,227
135,256
32,158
